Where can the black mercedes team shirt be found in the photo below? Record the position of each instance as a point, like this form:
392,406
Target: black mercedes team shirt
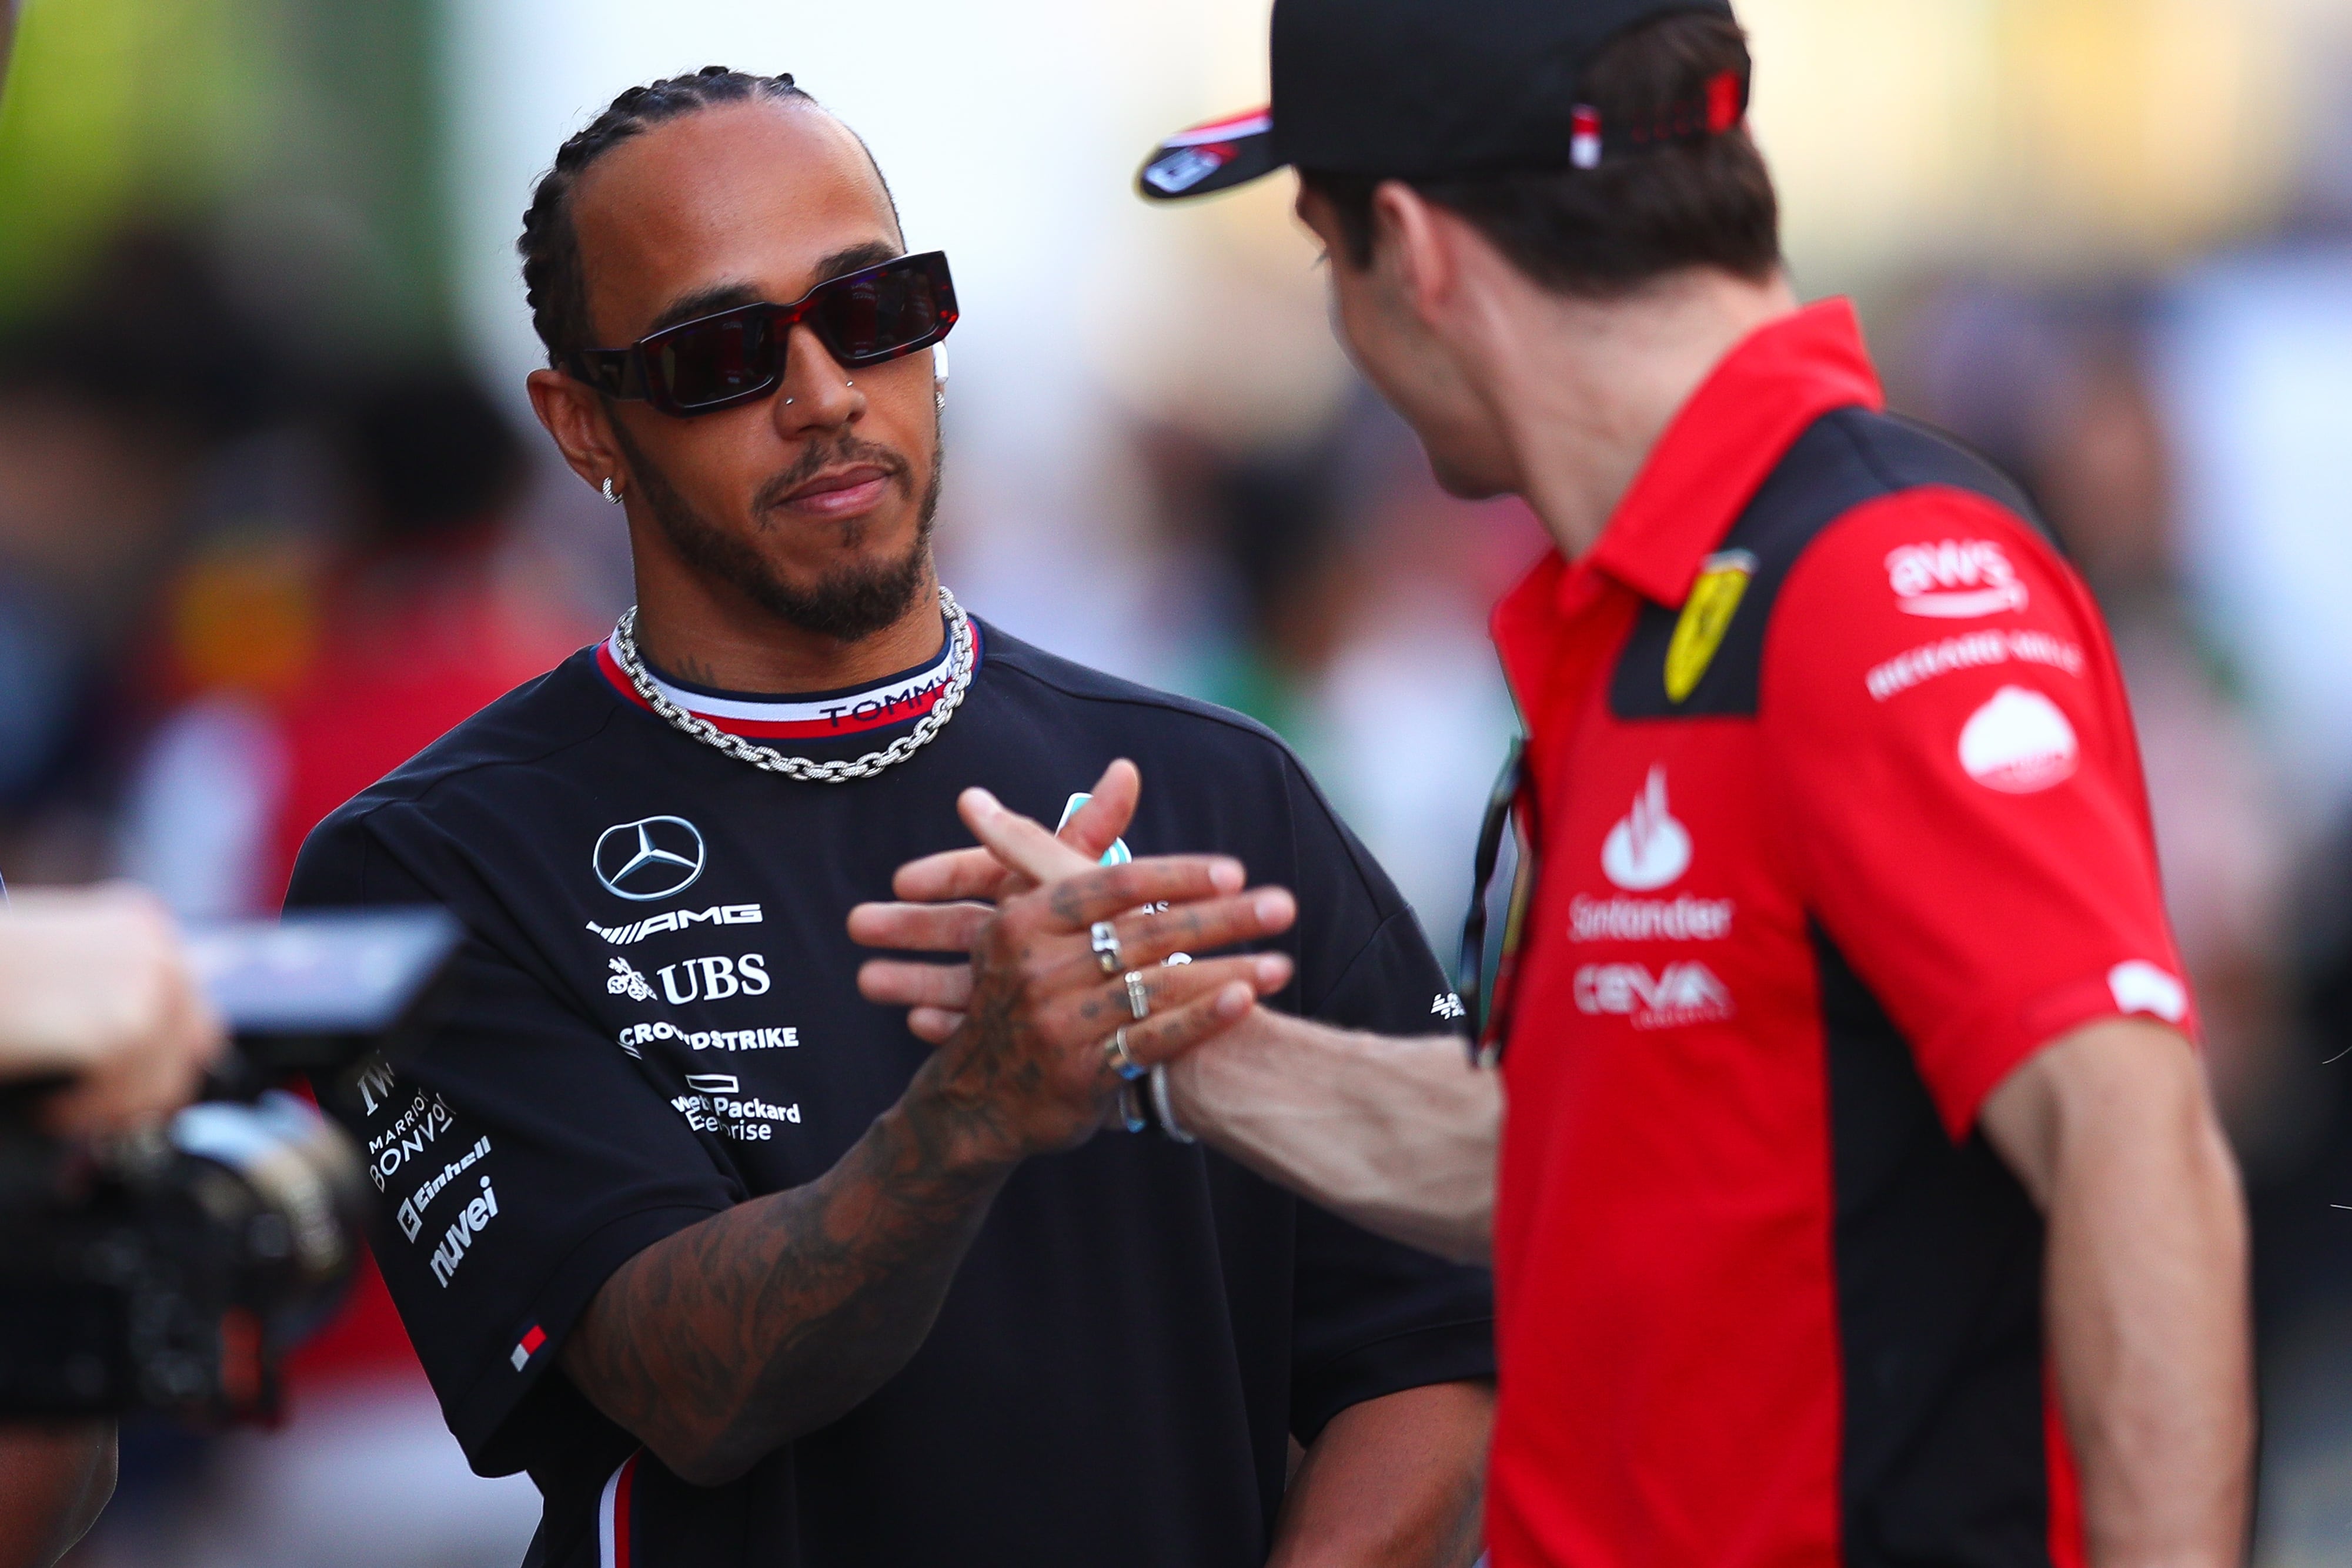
660,1019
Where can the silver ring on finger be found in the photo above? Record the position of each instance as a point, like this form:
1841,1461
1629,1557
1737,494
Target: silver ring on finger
1138,996
1105,947
1115,1051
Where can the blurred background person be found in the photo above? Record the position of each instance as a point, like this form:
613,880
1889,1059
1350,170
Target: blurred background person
2121,229
112,408
95,993
317,660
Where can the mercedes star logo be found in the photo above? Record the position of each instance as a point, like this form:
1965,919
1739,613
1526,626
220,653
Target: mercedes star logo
655,857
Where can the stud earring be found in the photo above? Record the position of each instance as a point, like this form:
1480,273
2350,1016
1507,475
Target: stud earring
612,494
790,400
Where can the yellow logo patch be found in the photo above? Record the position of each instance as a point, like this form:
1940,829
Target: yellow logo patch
1714,601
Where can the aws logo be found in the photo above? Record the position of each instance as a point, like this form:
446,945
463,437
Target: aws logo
1953,579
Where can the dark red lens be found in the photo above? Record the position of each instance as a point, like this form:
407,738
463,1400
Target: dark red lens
731,356
877,315
737,355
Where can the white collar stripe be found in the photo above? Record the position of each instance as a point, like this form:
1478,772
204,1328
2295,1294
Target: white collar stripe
899,701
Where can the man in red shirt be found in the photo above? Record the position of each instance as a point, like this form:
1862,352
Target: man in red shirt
1859,1201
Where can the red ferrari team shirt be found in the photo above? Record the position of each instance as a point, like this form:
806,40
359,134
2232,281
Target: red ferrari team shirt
1838,819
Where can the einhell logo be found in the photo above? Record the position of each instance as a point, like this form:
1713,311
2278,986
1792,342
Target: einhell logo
1956,579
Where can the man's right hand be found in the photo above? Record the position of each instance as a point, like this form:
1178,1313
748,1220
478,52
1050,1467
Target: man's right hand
95,988
1025,1068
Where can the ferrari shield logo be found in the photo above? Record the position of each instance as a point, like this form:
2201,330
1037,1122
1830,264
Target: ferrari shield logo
1714,601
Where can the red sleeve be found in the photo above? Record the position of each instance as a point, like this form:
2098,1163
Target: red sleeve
1951,741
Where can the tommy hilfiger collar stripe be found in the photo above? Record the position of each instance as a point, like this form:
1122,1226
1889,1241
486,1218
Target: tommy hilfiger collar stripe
659,696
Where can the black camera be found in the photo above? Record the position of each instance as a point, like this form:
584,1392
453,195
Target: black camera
173,1271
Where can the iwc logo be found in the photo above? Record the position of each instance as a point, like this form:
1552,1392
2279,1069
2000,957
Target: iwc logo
654,857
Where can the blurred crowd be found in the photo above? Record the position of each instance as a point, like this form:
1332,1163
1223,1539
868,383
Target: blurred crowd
236,587
241,577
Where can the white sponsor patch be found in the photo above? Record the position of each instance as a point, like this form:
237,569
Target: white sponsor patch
1976,651
730,1113
1647,849
636,1036
714,979
625,981
2139,987
411,1213
1685,993
416,1132
1683,919
2019,743
457,1241
679,920
1181,170
1953,579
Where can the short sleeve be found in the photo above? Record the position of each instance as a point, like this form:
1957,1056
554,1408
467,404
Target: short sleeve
513,1164
1949,737
1370,1317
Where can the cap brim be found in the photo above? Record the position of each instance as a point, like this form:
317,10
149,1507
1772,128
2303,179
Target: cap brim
1210,158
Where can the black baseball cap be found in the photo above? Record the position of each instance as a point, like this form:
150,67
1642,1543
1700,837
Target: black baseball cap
1428,88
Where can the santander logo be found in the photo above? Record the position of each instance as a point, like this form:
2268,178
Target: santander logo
1955,580
1647,849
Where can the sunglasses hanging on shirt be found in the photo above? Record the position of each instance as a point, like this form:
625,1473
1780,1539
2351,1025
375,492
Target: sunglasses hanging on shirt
1484,984
734,356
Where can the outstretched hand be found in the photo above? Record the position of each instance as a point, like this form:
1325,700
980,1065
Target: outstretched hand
1034,991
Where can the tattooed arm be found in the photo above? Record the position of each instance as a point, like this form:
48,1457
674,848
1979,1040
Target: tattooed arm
730,1338
718,1344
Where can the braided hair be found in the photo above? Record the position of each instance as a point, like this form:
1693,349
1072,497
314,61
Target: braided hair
553,281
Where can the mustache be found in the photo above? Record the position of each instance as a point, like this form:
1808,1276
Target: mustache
821,456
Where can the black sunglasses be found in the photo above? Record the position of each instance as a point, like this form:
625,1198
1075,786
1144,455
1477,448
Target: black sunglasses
735,357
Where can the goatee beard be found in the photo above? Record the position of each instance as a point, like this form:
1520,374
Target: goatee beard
849,603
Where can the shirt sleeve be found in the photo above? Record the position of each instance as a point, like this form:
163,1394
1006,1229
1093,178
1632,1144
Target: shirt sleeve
1369,1317
515,1159
1948,735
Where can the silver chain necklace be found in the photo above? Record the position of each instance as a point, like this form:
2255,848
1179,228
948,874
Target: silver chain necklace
809,771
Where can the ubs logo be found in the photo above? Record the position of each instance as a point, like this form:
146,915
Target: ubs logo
655,857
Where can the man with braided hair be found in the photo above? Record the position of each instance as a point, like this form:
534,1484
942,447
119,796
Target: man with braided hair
737,1269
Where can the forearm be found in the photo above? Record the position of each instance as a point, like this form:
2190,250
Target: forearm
1393,1482
2113,1135
54,1483
1398,1135
2149,1324
720,1344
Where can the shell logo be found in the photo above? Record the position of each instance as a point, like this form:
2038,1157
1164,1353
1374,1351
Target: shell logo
2019,743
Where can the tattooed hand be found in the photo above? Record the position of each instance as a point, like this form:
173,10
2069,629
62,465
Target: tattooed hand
1022,1029
719,1342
